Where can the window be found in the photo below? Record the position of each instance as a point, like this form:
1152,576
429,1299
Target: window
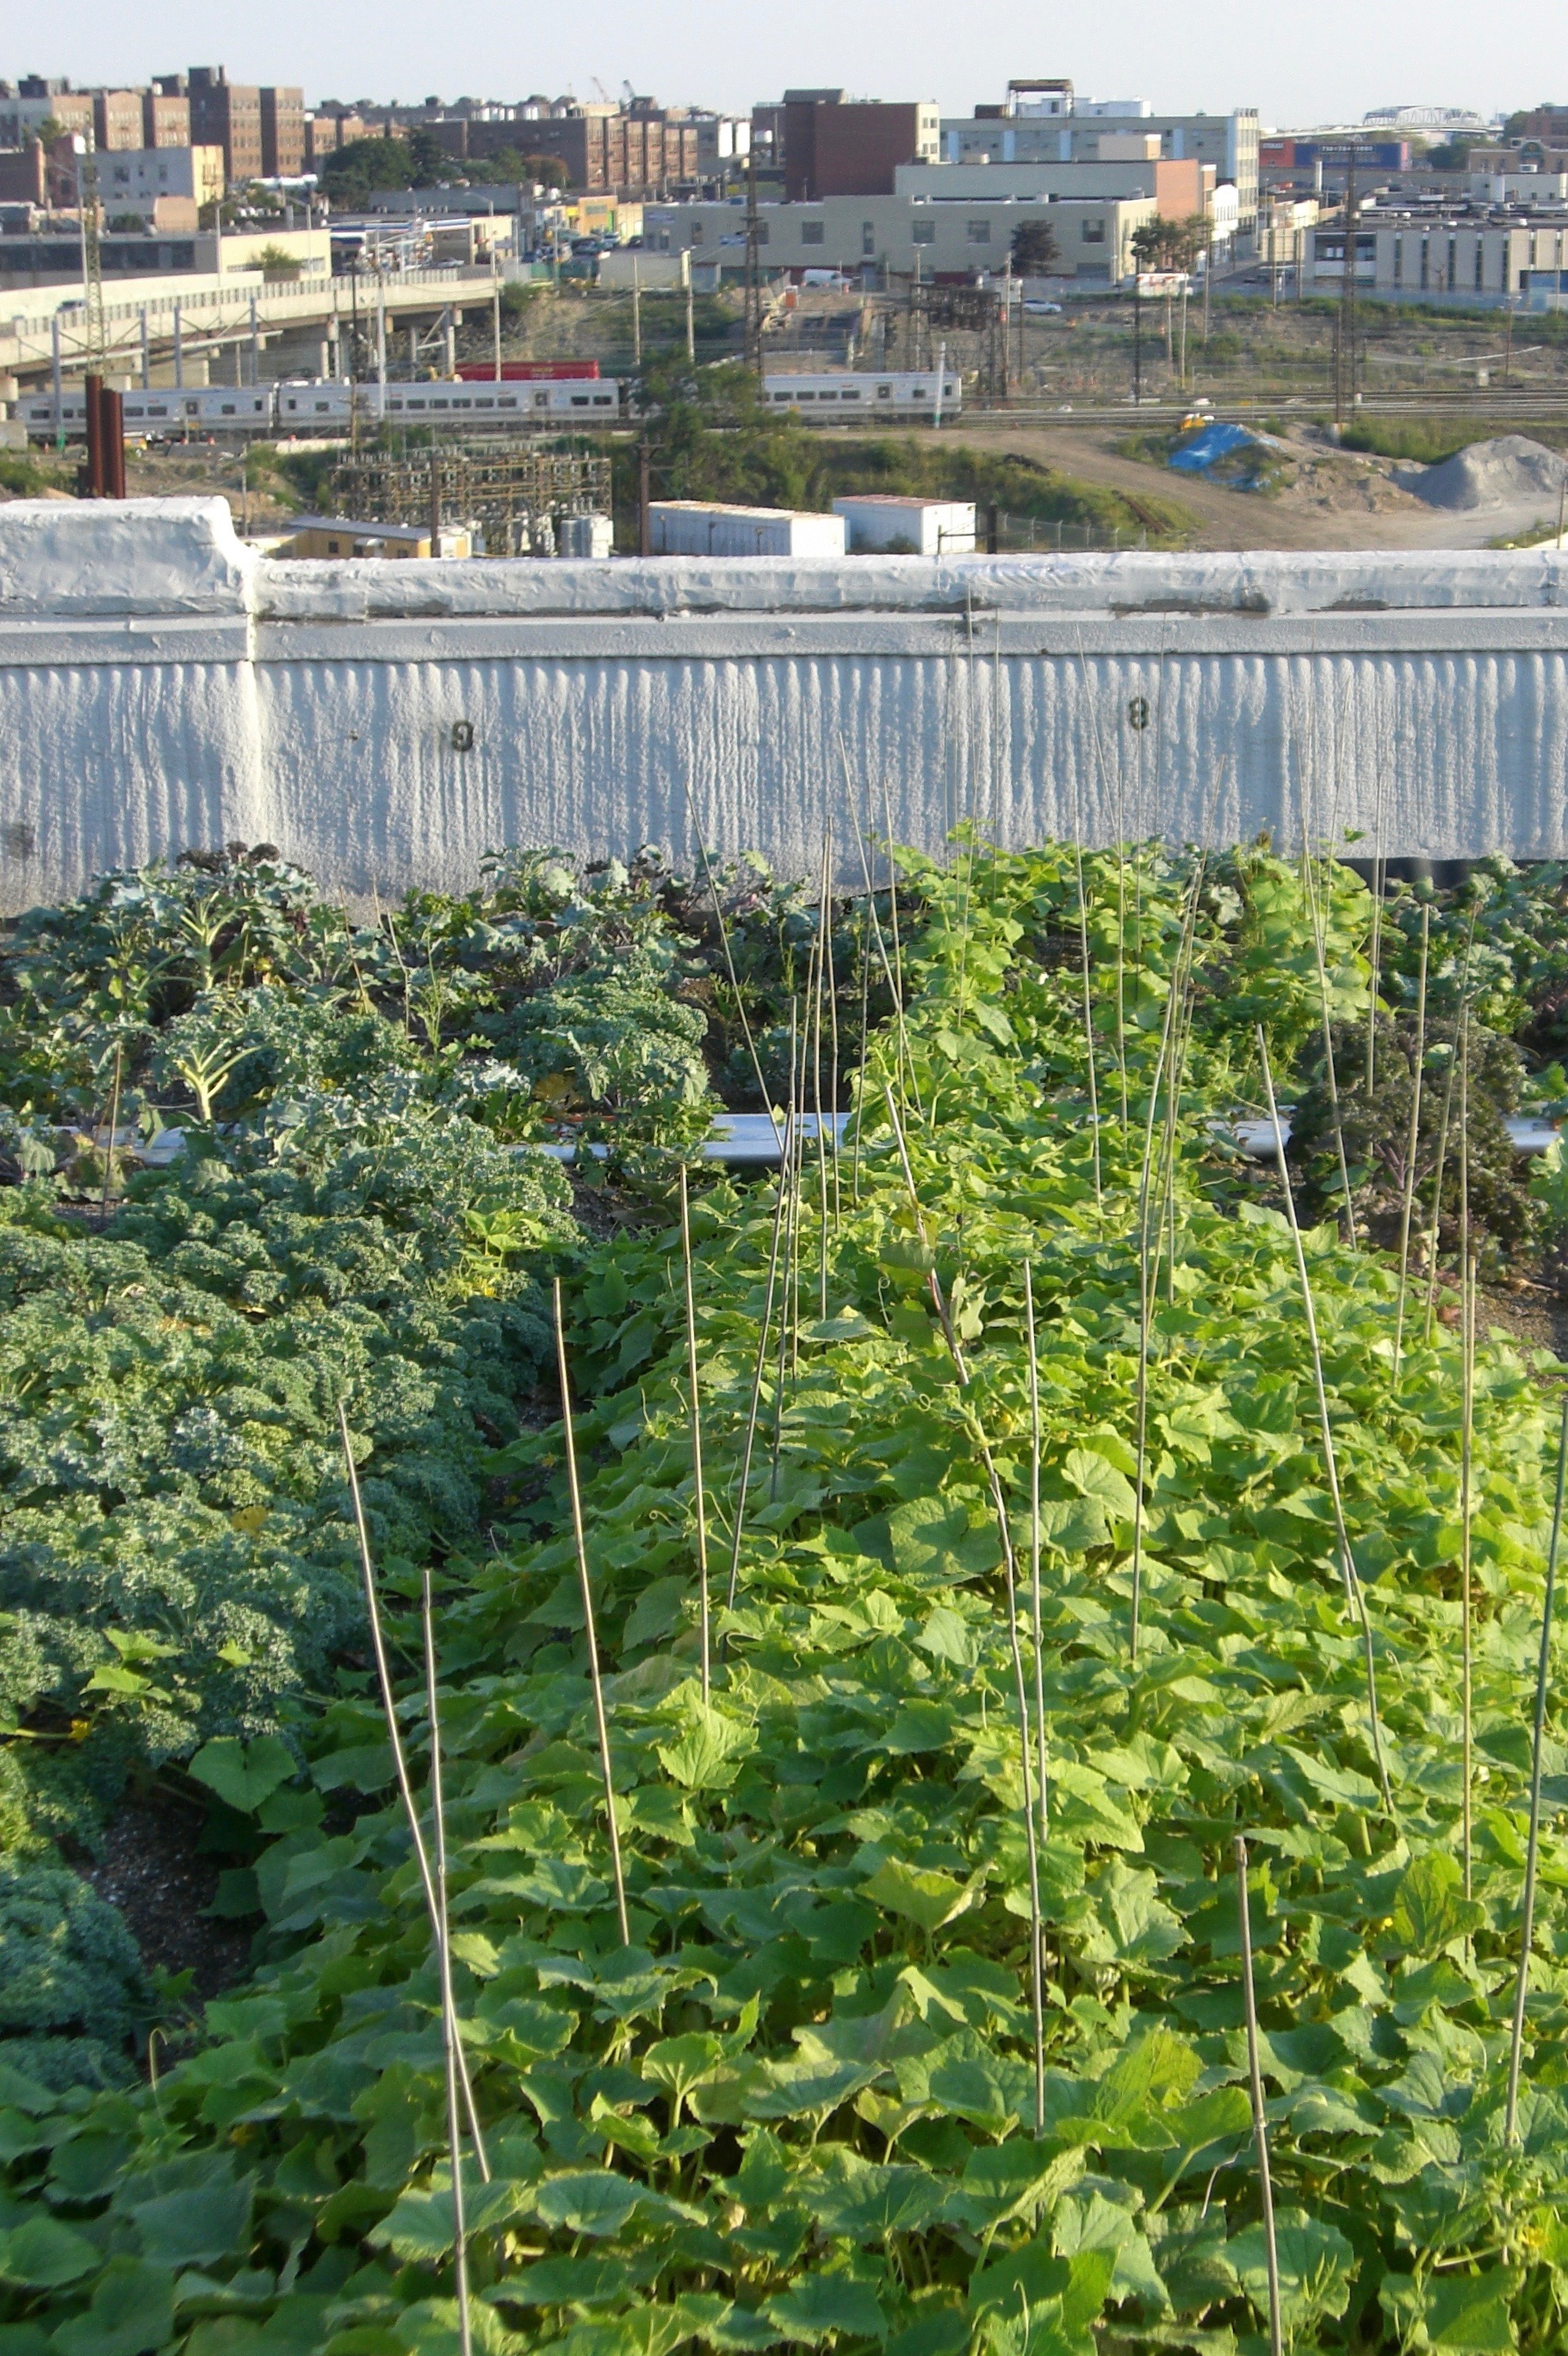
813,233
487,401
507,400
331,547
848,396
579,400
440,404
1092,232
867,237
416,404
806,396
763,228
1398,259
980,233
923,233
603,400
696,232
1481,257
541,401
884,393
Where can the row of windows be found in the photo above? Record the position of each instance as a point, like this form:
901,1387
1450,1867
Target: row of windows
922,232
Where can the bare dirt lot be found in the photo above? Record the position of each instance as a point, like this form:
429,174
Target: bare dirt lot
1337,498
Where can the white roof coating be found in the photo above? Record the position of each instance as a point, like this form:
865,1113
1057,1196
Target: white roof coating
385,723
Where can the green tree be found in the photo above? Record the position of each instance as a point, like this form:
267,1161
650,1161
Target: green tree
365,165
1034,249
1164,244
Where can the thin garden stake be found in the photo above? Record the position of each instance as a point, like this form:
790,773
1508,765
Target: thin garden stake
691,1371
787,1182
1010,1565
1034,1548
835,1076
864,1032
1412,1140
820,947
729,959
1260,2117
757,1371
400,1759
1089,1026
1532,1845
1347,1572
1467,1448
894,982
597,1681
449,2034
1319,919
113,1125
1434,1234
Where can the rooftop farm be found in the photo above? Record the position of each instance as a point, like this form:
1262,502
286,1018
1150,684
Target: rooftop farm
955,1746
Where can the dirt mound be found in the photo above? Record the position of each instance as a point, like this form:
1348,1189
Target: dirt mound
1507,473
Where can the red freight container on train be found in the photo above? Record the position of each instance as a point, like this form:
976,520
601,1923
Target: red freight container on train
529,371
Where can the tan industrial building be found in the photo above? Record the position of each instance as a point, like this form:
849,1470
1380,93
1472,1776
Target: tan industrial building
1044,123
894,235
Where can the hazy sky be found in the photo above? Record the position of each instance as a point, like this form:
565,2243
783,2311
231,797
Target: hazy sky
1298,66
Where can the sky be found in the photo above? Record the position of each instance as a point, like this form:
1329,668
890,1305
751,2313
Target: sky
1298,66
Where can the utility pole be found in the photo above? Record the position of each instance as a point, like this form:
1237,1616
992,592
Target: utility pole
754,273
1508,319
644,518
1345,357
496,317
690,319
179,346
1183,367
1137,335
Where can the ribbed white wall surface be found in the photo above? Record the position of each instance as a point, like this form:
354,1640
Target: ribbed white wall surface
387,724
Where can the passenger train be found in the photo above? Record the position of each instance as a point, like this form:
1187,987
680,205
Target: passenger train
324,405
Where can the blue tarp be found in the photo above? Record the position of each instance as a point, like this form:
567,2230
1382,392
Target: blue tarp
1210,442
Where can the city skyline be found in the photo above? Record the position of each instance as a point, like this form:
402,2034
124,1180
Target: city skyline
1333,64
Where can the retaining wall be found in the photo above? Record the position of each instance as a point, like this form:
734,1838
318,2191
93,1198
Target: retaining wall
386,724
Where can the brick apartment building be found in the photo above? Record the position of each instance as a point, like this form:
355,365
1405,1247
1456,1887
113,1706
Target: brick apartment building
635,151
837,149
227,114
282,132
166,117
116,119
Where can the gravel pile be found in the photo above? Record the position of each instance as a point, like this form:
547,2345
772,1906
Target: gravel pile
1507,473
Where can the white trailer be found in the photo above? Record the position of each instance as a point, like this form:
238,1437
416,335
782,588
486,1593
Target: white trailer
708,528
881,520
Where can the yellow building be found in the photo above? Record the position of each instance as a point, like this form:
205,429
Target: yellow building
344,536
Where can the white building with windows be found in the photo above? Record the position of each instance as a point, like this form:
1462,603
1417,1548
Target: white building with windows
895,236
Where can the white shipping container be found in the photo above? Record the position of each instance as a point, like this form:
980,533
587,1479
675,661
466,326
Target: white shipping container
705,527
928,527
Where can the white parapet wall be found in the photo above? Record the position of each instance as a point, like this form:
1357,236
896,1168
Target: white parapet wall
385,724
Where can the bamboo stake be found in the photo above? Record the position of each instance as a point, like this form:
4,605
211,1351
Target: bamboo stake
1466,1445
400,1759
1412,1143
1346,1559
597,1681
895,983
1089,1025
1037,1931
448,2002
738,1516
1443,1134
729,959
786,1181
835,1076
1010,1567
1260,2117
1034,1548
696,1438
865,1031
113,1125
1320,922
820,947
1532,1845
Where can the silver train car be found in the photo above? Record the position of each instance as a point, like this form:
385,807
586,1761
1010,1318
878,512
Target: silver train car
325,405
840,396
309,406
